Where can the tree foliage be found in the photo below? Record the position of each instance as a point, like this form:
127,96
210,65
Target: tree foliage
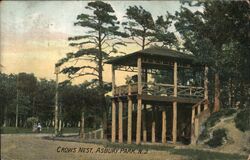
146,31
73,99
102,38
213,36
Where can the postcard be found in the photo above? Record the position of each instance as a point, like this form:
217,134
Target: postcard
125,80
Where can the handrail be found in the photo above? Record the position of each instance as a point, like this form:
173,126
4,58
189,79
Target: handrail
199,103
90,134
161,89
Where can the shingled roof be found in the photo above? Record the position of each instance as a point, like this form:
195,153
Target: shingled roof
154,52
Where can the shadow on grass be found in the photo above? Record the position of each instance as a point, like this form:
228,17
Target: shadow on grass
144,147
194,154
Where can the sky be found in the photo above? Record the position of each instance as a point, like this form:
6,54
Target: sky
34,33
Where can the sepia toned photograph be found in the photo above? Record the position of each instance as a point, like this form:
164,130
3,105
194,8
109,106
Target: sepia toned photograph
125,80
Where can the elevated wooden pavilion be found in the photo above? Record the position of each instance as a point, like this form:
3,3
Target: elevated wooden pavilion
192,100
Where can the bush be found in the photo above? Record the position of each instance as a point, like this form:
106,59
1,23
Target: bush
31,121
218,137
242,120
204,134
215,117
229,112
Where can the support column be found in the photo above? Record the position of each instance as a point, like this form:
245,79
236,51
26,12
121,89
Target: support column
144,126
139,103
113,121
129,134
192,127
206,87
138,123
120,121
199,109
196,128
153,125
174,131
164,129
113,136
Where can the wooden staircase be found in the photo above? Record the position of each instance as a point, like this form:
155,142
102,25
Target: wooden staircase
200,113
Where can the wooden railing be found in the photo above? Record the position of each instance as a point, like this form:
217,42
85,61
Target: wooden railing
124,89
160,89
199,114
187,91
96,134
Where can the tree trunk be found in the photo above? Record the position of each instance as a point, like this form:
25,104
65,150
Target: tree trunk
82,126
230,93
17,107
100,77
104,125
56,105
33,106
143,43
216,92
242,94
5,117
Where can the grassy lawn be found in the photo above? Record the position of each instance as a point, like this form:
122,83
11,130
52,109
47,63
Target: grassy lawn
13,130
191,154
187,153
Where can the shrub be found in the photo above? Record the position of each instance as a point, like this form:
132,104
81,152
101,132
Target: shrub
242,120
215,117
31,121
229,112
218,137
204,134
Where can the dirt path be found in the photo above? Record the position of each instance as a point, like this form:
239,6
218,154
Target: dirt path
238,141
32,147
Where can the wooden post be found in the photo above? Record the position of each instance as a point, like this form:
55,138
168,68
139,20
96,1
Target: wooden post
102,135
60,126
139,103
196,128
113,120
174,131
144,126
164,129
192,126
153,125
199,109
129,139
113,136
95,135
206,87
120,121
